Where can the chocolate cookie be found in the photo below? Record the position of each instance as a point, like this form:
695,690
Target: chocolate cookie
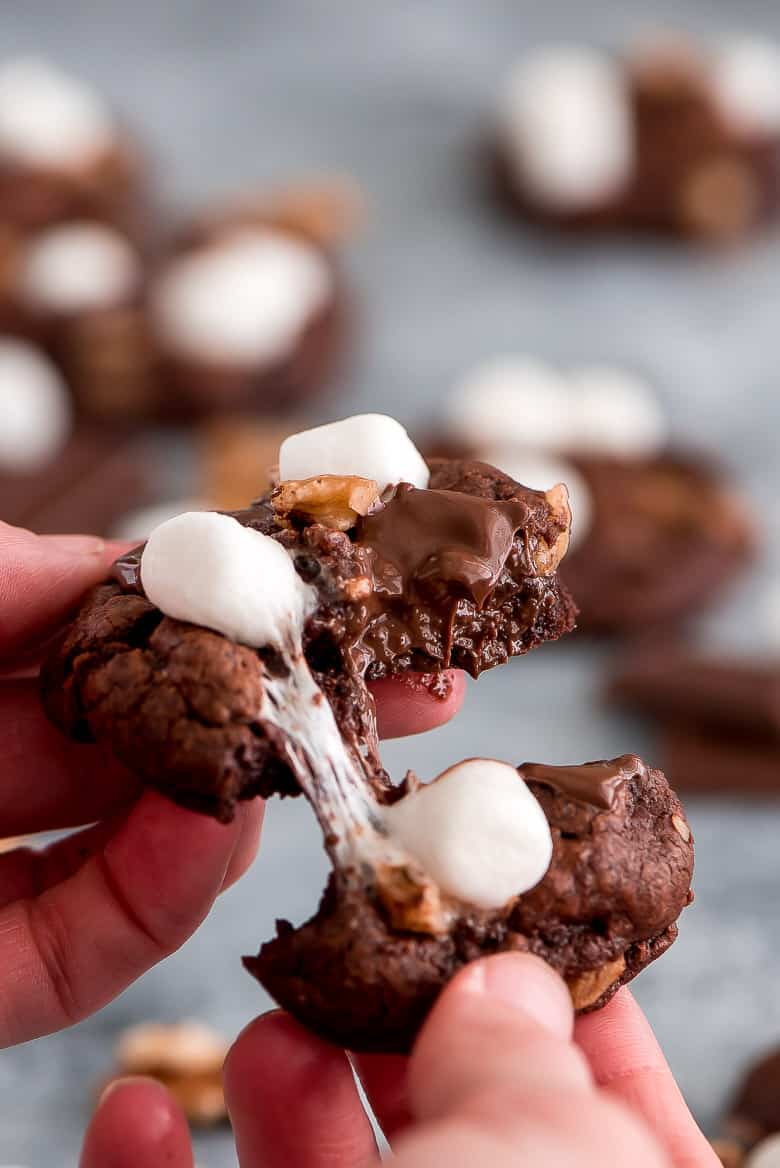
719,718
179,704
619,877
667,535
657,532
671,139
229,658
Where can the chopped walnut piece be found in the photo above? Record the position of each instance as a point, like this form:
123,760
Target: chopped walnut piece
336,501
185,1057
547,557
588,987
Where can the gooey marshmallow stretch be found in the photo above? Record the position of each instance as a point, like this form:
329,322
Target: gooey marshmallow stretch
476,832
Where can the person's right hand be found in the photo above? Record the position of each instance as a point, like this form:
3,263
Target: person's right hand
496,1078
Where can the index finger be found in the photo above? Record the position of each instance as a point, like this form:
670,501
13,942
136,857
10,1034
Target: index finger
626,1061
42,580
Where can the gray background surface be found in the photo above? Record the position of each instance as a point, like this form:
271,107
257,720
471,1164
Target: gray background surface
396,93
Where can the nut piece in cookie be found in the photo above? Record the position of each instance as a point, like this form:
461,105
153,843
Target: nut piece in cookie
186,1057
672,138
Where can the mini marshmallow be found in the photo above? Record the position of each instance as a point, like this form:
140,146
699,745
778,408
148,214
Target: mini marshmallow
616,413
370,446
140,523
538,471
207,569
766,1154
244,300
477,831
512,401
76,267
48,118
745,79
35,409
568,126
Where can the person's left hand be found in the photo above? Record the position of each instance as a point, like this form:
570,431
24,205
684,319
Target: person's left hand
81,919
493,1079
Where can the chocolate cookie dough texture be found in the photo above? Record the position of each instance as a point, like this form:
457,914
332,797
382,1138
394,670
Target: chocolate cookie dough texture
718,717
670,137
657,532
229,656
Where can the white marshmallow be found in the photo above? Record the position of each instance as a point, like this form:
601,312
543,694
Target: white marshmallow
616,413
206,568
77,267
371,446
35,410
745,78
512,401
140,523
766,1154
538,471
477,831
241,301
48,118
568,126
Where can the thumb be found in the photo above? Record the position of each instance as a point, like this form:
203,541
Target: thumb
42,579
495,1078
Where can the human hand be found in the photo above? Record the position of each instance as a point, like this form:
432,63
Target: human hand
500,1075
83,918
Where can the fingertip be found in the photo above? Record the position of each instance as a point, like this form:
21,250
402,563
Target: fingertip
250,830
417,702
136,1122
523,981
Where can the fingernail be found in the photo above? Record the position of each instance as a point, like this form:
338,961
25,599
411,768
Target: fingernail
76,545
115,1084
526,983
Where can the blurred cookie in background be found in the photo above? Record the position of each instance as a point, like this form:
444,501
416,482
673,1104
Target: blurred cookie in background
249,310
239,457
77,289
750,1134
63,154
672,137
657,532
718,719
186,1057
57,473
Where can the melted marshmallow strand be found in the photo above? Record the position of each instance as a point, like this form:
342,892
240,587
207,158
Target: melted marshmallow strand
478,832
206,568
370,446
243,300
76,267
48,118
568,127
35,409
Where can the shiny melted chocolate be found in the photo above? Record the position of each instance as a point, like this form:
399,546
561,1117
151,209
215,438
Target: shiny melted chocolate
596,783
445,536
126,571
